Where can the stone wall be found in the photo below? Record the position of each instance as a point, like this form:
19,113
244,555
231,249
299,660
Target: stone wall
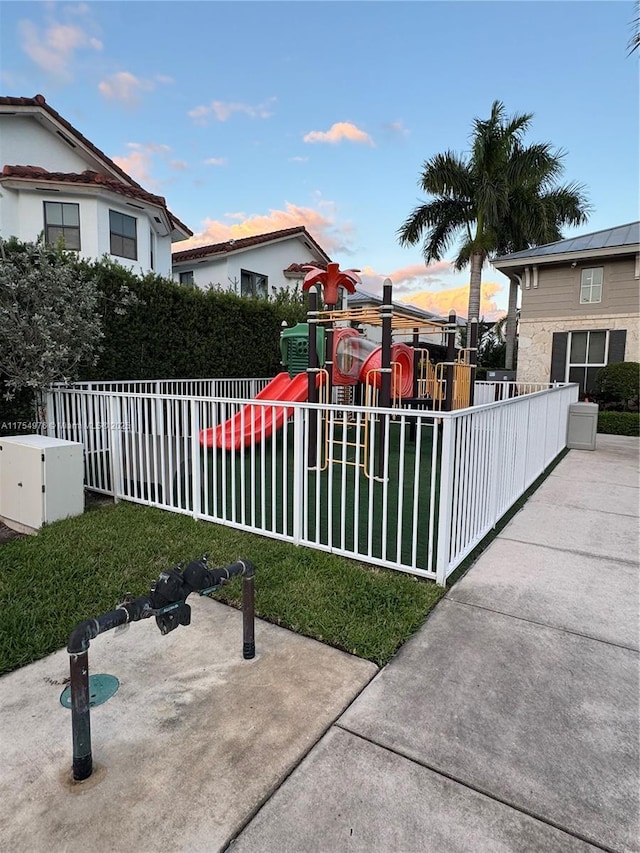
536,337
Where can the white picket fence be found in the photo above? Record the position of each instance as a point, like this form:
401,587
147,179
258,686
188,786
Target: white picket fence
410,490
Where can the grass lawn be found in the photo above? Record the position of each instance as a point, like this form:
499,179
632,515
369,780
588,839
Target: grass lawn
82,567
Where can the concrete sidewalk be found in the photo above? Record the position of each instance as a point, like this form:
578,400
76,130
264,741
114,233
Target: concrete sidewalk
195,739
510,721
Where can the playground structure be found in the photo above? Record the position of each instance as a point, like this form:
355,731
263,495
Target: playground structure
328,352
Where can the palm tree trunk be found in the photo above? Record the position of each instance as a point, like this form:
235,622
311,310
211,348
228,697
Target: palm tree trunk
510,338
475,288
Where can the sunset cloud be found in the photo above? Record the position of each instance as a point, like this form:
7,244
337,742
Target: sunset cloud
126,88
323,227
457,299
430,288
141,160
54,47
223,110
339,132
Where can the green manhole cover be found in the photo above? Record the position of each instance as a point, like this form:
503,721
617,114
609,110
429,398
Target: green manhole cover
101,688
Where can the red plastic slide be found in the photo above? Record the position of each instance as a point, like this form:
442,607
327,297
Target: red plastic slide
253,422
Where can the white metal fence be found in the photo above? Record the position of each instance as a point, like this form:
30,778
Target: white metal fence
410,490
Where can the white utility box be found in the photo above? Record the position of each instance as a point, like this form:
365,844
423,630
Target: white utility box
583,426
41,480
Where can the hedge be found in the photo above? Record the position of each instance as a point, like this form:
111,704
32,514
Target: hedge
619,423
171,331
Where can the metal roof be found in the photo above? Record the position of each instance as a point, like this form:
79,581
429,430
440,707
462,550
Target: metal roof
621,235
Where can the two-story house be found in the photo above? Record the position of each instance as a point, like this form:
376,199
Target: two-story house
257,266
580,305
53,181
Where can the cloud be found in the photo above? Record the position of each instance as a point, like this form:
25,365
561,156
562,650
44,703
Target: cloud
341,130
457,298
397,127
323,228
126,88
298,159
178,165
223,110
430,288
140,161
216,161
407,280
54,48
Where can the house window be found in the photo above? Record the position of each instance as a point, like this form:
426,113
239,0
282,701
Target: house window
591,285
62,222
152,248
187,278
586,354
253,284
122,235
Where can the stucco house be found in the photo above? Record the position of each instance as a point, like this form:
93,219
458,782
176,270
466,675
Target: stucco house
53,180
257,266
580,305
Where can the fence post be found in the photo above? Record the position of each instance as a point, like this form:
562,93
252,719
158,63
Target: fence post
196,487
48,408
445,499
115,449
298,474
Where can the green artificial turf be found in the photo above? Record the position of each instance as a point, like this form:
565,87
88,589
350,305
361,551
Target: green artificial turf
234,490
83,567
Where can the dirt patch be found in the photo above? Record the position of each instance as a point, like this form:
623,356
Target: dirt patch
7,534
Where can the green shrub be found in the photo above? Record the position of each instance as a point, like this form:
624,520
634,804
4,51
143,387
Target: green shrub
618,385
619,423
155,328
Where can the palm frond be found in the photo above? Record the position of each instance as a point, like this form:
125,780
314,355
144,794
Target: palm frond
447,174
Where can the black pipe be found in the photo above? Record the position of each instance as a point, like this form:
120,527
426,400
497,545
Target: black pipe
473,358
384,398
312,376
167,602
450,362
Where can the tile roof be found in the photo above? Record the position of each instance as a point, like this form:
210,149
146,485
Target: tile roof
201,252
299,269
609,238
87,177
39,102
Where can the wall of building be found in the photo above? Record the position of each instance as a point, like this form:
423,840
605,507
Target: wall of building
269,259
536,339
558,291
22,216
25,142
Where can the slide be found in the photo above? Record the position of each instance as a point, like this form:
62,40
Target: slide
252,422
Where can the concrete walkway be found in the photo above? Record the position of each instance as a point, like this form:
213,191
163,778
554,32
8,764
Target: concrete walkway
510,721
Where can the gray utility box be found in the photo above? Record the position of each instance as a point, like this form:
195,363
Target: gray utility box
41,480
583,426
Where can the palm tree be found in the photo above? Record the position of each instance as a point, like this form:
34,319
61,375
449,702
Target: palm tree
634,41
501,197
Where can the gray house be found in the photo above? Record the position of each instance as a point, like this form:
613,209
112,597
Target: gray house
580,304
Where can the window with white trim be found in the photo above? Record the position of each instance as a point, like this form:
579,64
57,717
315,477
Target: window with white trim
123,238
586,354
591,285
253,284
62,222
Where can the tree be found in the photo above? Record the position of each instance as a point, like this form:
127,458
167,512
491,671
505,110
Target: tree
634,41
499,198
49,317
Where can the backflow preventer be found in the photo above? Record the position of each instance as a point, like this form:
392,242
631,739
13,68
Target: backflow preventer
167,602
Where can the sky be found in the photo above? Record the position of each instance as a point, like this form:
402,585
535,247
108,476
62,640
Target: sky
250,116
